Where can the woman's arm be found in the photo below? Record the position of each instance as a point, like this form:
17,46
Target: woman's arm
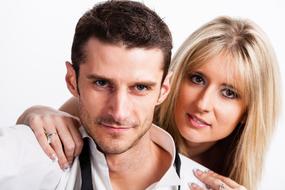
71,107
65,142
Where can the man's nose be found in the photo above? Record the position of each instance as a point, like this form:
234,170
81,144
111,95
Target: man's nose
119,105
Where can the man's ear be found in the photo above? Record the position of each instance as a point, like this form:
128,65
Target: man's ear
70,79
165,88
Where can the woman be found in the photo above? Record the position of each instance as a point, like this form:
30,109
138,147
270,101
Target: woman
221,111
240,48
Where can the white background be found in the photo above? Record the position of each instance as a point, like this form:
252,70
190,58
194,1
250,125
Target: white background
36,37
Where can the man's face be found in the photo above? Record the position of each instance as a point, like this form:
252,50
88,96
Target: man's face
118,91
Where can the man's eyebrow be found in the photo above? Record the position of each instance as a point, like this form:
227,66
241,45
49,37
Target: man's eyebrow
96,76
139,81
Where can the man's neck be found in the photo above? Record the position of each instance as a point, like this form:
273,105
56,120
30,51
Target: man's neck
138,167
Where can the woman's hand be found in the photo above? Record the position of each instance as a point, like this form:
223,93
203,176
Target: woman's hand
215,181
64,141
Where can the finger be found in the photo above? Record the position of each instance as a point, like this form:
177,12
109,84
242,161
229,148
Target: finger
73,127
37,126
66,139
62,160
227,180
55,141
231,183
194,186
211,180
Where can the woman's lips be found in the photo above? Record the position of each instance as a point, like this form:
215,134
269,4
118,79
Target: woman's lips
197,122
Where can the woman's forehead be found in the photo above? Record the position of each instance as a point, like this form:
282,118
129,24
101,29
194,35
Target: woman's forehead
224,65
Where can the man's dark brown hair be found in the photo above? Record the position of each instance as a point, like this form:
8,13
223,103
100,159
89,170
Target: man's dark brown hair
122,22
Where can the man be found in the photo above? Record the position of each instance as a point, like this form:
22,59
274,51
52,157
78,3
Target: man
120,57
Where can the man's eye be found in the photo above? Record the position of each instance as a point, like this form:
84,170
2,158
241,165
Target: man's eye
101,83
197,79
141,87
228,93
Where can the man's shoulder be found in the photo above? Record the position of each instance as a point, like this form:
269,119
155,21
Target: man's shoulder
16,131
18,144
187,168
22,160
189,163
19,139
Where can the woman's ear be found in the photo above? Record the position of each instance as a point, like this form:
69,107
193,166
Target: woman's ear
243,119
70,79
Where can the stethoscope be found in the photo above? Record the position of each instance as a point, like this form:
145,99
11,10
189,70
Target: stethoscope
85,165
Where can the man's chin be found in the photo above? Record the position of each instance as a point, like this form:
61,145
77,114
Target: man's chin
113,150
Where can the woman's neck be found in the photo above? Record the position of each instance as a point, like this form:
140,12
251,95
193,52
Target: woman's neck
208,154
196,150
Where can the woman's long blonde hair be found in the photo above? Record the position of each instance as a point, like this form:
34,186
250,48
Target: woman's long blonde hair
253,58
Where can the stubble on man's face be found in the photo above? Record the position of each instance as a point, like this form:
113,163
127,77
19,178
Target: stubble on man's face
118,93
113,143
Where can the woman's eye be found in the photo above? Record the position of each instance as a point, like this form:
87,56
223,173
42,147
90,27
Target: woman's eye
228,93
197,79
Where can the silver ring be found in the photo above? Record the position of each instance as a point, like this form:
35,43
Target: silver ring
222,187
49,136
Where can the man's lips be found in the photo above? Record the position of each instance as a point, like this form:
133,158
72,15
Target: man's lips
197,122
115,127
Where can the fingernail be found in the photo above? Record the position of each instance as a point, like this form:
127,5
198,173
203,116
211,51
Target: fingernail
209,171
198,172
54,157
66,167
193,185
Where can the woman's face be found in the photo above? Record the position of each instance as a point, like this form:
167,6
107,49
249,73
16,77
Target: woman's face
208,108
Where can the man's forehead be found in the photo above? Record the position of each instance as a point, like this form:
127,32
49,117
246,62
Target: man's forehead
94,44
102,54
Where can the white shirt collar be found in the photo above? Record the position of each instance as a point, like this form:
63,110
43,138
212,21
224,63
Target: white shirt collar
160,137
